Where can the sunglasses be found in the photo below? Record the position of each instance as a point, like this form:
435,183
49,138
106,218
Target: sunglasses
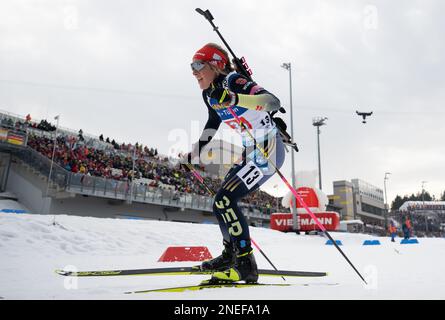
197,65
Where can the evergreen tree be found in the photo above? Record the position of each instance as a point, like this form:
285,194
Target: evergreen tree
396,204
426,196
399,201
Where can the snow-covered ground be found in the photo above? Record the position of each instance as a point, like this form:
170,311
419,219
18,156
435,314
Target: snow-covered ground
32,247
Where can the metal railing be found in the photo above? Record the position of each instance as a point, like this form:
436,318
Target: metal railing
125,190
42,165
111,188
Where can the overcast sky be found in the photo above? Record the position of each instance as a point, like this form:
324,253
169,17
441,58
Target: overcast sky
122,68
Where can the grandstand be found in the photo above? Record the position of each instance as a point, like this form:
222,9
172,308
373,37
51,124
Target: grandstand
90,176
428,217
423,206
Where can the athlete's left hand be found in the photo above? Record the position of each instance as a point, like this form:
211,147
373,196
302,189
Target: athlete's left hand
224,97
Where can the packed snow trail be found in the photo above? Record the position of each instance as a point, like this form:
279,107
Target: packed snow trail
33,246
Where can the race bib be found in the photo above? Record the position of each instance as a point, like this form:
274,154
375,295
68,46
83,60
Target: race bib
250,174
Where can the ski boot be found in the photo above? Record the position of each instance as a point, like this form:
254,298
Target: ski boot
225,261
245,269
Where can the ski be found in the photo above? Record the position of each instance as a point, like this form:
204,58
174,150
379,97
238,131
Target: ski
226,285
208,286
180,271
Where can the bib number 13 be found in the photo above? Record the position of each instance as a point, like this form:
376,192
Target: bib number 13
250,174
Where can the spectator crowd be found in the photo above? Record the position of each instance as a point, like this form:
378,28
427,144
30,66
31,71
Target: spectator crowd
111,160
19,125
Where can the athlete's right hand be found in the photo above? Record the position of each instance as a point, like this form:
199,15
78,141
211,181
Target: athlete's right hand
224,98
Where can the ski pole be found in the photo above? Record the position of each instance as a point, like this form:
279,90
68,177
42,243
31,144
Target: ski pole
241,65
201,179
264,255
294,192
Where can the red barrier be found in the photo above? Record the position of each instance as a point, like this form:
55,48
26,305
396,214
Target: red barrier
173,254
283,221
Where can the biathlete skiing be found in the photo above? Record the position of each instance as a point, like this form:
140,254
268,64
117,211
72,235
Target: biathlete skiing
223,87
231,96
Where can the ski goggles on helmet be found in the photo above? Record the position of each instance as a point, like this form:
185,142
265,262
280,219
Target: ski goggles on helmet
197,65
211,55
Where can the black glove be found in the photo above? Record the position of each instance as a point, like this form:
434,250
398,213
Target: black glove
280,123
224,97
